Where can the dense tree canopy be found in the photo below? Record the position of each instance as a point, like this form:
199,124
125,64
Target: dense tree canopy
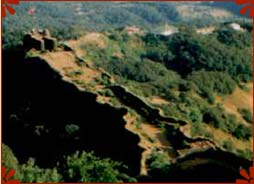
68,20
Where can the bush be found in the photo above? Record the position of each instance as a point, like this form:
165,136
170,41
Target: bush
246,114
226,122
31,173
214,116
28,172
247,154
196,129
71,128
79,167
242,132
208,94
210,82
158,163
228,145
8,159
85,167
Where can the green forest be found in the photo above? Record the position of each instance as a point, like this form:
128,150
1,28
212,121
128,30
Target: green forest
70,20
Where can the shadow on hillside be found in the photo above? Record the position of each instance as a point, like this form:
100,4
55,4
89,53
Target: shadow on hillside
37,106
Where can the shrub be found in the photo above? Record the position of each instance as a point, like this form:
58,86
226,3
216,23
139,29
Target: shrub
210,82
31,173
246,114
85,167
8,159
247,154
231,122
214,116
196,129
71,128
195,115
158,162
28,172
228,145
242,132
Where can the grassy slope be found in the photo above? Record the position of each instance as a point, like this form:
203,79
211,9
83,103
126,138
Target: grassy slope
238,99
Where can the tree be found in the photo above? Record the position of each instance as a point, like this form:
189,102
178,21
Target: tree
242,132
8,158
85,167
246,114
158,163
30,172
210,82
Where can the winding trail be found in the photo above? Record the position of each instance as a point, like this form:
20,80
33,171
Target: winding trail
151,137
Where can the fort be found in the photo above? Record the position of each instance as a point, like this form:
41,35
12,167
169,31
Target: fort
40,40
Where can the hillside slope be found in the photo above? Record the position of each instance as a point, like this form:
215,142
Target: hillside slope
170,112
157,92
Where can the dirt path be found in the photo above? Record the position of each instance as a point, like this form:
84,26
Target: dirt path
65,63
150,136
158,100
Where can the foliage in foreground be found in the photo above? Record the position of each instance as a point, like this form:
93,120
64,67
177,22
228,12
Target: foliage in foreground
79,167
85,167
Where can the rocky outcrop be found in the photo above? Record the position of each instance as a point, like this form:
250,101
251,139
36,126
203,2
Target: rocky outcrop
50,43
39,40
151,114
219,166
31,42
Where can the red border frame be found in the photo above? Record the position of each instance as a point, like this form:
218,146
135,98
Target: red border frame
1,97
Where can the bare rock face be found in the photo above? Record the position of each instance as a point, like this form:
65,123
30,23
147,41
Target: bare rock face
50,43
46,33
31,42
